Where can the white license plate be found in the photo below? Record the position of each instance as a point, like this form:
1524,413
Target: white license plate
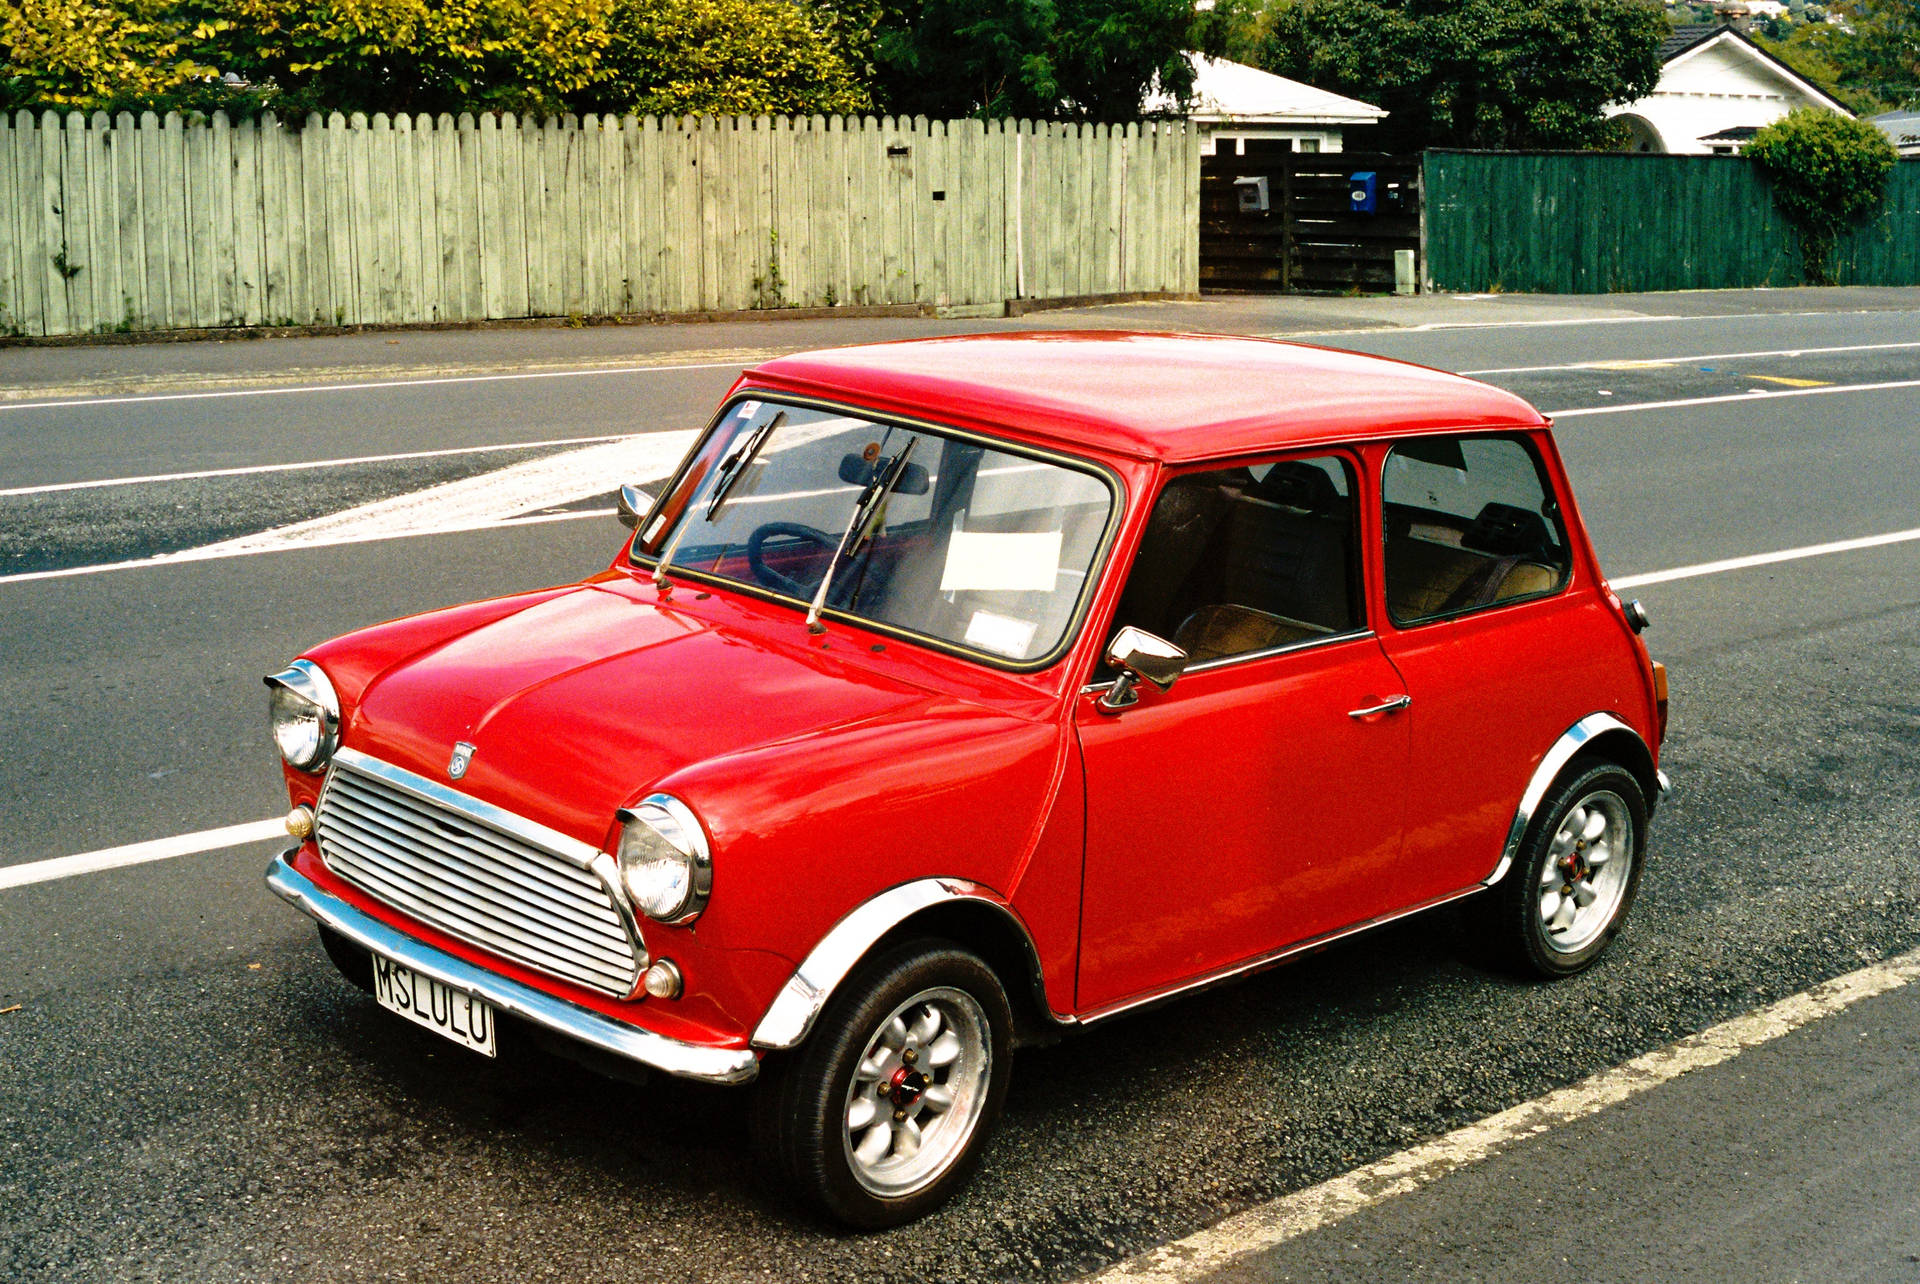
441,1008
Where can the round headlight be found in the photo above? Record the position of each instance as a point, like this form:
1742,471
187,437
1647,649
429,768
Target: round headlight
304,715
664,860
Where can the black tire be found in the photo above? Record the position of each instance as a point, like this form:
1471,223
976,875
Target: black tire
1514,916
806,1099
354,963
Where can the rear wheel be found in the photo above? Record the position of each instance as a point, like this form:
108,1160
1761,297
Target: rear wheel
1575,876
879,1116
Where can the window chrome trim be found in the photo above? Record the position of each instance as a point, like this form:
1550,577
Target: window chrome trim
594,1029
602,865
1571,742
1227,661
1095,570
792,1013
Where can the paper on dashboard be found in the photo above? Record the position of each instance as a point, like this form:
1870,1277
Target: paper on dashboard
994,562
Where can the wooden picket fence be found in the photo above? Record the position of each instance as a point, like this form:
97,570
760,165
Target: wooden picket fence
124,224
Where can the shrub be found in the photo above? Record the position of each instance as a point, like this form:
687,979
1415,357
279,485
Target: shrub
1828,172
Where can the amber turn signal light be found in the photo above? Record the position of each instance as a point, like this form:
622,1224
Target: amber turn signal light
1660,696
300,823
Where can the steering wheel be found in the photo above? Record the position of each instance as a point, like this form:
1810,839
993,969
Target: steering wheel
757,561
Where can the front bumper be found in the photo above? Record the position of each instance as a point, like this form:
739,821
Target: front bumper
616,1038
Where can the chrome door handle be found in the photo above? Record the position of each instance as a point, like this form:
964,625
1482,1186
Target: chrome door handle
1394,705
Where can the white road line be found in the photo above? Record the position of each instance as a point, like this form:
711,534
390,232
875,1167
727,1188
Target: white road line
364,387
1655,363
1764,559
1270,1225
331,541
1636,320
251,469
472,502
207,840
1756,395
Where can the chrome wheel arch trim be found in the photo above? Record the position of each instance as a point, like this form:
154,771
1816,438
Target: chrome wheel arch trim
793,1011
1570,743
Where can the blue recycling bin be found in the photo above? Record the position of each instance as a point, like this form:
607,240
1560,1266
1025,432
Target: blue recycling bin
1363,192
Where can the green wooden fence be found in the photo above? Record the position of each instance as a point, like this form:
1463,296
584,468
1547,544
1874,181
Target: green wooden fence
1558,223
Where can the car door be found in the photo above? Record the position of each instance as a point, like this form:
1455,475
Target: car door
1258,802
1481,625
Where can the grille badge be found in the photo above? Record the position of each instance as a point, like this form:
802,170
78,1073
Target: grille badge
462,756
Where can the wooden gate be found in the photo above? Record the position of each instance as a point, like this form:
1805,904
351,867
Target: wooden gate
1309,238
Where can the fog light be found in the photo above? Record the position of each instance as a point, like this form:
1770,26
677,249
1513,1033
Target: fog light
300,822
663,979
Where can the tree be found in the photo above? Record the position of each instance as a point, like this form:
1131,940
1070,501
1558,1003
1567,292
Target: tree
1475,73
723,56
1829,173
1051,59
1882,57
88,54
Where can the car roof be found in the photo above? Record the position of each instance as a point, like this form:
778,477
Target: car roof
1164,397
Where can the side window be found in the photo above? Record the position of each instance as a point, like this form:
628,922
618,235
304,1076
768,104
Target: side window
1470,522
1248,559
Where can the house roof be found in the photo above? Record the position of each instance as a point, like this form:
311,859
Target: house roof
1691,36
1234,92
1734,134
1686,35
1902,128
1170,397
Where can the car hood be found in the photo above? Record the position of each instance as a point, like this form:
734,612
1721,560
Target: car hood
580,701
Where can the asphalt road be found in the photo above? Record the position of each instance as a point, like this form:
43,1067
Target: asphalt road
188,1092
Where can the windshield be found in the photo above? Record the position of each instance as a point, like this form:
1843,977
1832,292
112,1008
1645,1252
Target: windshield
981,548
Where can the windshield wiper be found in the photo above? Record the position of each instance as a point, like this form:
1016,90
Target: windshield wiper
732,468
860,529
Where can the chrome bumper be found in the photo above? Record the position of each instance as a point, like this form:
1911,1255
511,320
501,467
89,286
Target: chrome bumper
630,1043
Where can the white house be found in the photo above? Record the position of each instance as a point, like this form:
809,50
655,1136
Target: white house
1234,101
1716,88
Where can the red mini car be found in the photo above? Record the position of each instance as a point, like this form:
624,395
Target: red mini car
953,692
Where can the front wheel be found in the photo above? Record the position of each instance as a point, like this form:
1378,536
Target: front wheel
1574,879
878,1118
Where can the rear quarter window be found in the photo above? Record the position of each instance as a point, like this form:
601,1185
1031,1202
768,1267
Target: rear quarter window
1470,523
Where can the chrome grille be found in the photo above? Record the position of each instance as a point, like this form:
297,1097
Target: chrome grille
427,851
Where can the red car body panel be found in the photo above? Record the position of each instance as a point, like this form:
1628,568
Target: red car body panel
830,768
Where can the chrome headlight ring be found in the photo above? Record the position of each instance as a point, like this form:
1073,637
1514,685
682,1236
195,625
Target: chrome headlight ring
664,859
304,715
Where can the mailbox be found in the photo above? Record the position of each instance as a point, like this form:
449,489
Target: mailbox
1363,192
1253,194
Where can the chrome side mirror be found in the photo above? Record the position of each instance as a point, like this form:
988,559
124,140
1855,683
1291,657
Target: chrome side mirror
1140,656
634,504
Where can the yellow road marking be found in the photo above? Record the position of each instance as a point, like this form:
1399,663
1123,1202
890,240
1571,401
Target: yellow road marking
1795,383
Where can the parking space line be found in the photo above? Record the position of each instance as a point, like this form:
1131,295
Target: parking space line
1629,407
1269,1225
207,840
1764,559
1655,363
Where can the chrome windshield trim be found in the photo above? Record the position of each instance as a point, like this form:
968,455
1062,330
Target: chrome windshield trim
1571,741
1103,551
631,1043
568,848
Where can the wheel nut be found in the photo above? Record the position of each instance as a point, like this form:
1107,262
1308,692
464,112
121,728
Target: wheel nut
899,1114
909,1056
